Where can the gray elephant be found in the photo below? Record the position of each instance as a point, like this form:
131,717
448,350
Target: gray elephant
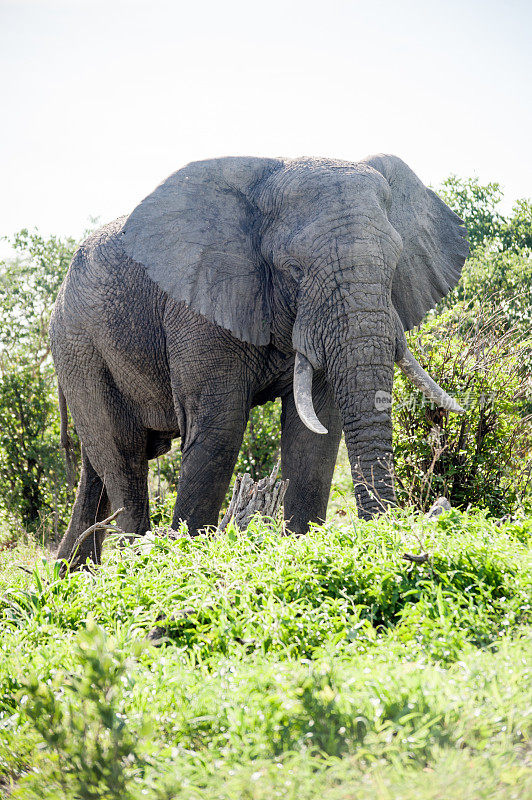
236,281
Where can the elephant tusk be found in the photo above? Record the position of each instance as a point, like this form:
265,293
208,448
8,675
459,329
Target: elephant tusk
303,394
413,370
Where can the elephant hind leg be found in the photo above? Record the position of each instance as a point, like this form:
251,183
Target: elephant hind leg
91,505
121,461
114,446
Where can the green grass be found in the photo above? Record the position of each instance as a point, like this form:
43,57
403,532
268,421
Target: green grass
293,667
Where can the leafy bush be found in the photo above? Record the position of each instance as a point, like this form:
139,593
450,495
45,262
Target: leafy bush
259,592
32,475
261,447
498,281
31,468
484,457
477,205
99,751
516,233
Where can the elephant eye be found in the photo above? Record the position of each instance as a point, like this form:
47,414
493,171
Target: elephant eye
294,268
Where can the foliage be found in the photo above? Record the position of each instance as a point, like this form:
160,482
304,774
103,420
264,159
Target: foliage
98,750
477,345
261,447
516,233
32,475
501,282
293,666
484,457
477,205
262,593
29,285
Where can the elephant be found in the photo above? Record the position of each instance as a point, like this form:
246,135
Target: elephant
236,281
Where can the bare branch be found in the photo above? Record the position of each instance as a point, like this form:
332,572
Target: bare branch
104,525
422,558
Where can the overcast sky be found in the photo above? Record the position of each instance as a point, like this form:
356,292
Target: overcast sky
102,100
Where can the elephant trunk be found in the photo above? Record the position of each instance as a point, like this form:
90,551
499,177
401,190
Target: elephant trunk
406,362
360,370
355,344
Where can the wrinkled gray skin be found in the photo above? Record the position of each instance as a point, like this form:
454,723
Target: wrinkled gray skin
178,319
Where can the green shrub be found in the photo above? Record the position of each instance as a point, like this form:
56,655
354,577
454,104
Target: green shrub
32,475
291,661
477,205
498,281
32,472
261,447
98,749
482,458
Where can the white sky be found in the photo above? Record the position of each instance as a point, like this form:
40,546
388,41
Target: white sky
102,100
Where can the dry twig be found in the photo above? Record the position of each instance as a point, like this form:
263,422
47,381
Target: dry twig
422,558
103,525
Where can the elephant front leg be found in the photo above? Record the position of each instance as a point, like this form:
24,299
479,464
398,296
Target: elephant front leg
209,455
308,459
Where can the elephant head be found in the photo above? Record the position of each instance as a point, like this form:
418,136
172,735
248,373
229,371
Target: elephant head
331,259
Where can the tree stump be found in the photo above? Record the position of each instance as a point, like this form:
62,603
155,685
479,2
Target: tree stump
438,507
263,497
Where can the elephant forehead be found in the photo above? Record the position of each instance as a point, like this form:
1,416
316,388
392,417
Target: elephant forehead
320,202
313,180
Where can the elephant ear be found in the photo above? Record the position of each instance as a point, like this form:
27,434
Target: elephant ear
434,241
195,237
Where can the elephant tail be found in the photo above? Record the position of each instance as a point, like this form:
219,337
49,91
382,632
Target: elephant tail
66,442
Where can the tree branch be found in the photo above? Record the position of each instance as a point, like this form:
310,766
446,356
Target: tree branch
98,526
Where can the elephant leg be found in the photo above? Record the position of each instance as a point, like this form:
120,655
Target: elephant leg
91,505
209,455
125,485
308,459
114,445
122,461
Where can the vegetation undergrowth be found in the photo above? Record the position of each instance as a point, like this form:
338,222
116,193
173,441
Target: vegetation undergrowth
286,666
